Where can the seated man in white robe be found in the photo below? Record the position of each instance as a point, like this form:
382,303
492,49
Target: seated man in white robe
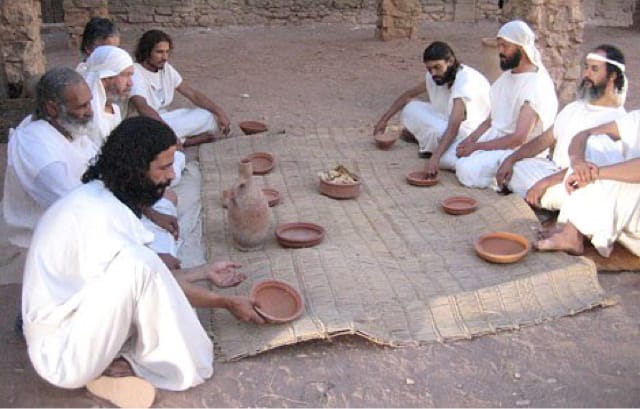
154,84
108,72
98,31
94,293
48,152
604,201
523,105
458,102
600,100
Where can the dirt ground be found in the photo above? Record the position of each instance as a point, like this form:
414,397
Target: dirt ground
338,75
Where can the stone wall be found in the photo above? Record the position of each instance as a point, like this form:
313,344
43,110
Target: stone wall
21,48
559,25
614,13
78,12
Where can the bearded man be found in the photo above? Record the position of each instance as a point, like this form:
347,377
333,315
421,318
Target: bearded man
458,102
96,298
48,152
523,105
601,96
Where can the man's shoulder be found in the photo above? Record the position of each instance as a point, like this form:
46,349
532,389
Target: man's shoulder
469,76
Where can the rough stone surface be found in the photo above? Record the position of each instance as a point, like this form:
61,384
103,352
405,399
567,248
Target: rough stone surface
77,13
397,19
21,49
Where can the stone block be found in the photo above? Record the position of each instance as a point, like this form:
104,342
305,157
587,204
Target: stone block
140,18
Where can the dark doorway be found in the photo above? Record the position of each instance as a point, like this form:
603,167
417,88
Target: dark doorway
52,11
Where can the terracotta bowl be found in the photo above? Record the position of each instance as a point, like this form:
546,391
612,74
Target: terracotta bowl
279,301
386,140
458,205
299,234
502,247
272,195
418,178
262,162
252,127
340,190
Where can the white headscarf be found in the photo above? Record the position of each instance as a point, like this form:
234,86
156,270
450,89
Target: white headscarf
519,33
104,62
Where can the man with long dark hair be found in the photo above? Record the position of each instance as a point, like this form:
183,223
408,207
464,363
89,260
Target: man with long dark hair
458,101
154,84
96,298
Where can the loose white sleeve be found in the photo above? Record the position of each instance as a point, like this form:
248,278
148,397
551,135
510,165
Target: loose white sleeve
52,182
629,130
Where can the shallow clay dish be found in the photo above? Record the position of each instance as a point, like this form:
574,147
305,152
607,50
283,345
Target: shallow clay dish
418,178
272,195
279,301
458,205
298,235
502,247
340,190
262,162
252,127
386,140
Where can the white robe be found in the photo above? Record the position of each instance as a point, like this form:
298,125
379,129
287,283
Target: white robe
607,211
575,117
427,121
158,89
42,166
93,291
508,95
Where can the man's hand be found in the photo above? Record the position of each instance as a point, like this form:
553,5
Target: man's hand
505,171
573,183
432,167
584,172
380,127
243,308
171,262
166,221
466,148
535,193
223,274
224,123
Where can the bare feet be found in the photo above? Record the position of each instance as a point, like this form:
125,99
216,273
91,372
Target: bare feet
546,232
119,368
567,238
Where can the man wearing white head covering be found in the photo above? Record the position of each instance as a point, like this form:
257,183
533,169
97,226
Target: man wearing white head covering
48,152
523,105
600,100
109,72
604,201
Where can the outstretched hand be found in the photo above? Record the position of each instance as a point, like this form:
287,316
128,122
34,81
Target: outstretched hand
223,274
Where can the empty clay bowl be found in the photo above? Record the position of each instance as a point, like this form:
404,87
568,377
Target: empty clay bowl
252,127
340,190
502,247
272,195
299,234
279,301
386,140
458,205
418,178
262,162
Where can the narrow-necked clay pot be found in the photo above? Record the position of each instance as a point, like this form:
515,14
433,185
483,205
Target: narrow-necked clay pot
248,211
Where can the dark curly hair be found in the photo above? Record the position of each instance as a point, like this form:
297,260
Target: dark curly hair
124,160
98,28
149,40
613,53
439,50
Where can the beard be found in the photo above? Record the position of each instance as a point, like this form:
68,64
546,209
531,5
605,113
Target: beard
75,126
508,63
592,92
115,97
149,192
448,77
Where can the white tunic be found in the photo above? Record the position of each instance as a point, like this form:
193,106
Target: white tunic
607,211
575,117
93,291
158,89
428,121
509,93
42,166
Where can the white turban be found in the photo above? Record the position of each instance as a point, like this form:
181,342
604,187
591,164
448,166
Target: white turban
519,33
104,62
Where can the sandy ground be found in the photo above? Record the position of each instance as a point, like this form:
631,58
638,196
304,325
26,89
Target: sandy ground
338,75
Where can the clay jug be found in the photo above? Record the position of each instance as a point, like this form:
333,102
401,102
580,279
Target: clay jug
248,211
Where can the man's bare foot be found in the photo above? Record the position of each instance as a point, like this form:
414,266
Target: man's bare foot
119,368
546,232
567,239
